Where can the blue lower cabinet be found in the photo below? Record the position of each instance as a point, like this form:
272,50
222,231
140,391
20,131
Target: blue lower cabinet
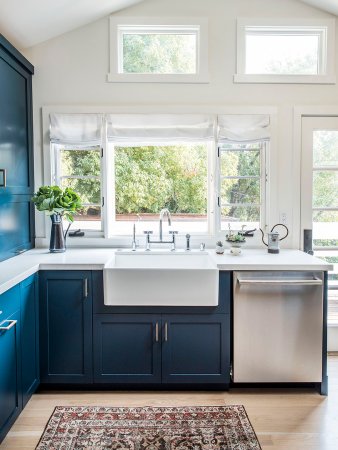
66,327
196,349
159,348
127,348
29,315
10,395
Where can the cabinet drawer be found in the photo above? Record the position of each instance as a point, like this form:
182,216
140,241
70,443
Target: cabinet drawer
9,302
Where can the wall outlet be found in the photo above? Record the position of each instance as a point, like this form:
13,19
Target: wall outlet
283,218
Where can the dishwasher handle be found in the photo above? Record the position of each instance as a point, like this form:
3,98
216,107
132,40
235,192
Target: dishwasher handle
286,281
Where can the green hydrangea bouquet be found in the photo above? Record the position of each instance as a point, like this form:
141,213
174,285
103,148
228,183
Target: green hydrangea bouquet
54,200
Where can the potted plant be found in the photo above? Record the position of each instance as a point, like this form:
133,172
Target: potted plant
219,248
57,203
236,240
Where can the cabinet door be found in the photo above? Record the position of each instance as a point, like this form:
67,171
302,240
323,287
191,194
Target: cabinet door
15,124
196,348
29,314
127,348
10,399
16,152
65,326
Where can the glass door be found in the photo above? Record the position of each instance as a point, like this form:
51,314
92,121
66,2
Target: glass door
319,195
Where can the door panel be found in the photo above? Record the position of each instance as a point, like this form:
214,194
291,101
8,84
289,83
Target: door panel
10,400
16,224
14,136
195,348
66,326
29,315
319,196
127,348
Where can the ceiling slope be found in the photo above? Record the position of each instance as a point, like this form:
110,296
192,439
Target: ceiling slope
28,22
330,6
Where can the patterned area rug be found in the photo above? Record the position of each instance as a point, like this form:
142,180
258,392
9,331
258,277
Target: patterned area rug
148,428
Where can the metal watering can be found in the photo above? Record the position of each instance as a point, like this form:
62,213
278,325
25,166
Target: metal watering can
273,238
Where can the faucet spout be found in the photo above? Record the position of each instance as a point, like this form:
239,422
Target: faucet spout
164,213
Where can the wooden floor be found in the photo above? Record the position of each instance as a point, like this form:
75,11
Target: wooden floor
282,419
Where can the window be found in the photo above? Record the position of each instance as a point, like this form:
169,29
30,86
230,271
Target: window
325,208
79,168
320,196
285,51
163,51
151,177
127,167
242,184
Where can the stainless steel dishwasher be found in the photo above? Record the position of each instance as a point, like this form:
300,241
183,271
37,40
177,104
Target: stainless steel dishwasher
278,326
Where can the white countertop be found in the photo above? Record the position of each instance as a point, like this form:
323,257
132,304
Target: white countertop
16,269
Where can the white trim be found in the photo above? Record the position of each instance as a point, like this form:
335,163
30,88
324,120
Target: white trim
198,24
326,29
298,113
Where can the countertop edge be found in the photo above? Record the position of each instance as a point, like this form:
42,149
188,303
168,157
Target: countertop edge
21,267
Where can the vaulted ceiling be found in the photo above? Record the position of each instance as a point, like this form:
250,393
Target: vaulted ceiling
28,22
330,6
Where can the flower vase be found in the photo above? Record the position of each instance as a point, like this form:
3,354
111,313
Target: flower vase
57,239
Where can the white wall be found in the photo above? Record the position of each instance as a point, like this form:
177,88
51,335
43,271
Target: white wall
72,70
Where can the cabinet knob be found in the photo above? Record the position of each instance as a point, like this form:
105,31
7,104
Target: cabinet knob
85,288
156,332
166,332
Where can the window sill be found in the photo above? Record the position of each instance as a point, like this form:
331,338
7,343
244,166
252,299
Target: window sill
285,79
157,78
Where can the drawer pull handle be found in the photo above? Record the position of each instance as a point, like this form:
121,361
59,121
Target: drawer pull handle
166,332
291,281
11,324
4,178
85,288
156,332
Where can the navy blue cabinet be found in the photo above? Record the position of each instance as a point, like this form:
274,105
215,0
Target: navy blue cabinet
29,318
16,152
10,398
196,349
145,348
66,327
127,348
162,345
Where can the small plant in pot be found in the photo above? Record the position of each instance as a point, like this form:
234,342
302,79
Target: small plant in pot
58,204
236,240
219,248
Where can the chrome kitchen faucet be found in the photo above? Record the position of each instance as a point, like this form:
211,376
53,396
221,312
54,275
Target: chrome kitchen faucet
163,213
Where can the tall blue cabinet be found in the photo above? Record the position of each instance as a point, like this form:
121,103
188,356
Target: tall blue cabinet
16,152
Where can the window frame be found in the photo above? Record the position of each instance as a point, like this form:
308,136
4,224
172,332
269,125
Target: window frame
196,25
326,57
264,185
55,150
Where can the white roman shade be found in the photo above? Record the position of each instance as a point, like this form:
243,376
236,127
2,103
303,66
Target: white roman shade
76,129
157,128
243,127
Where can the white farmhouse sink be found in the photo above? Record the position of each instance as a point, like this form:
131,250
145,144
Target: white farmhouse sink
160,279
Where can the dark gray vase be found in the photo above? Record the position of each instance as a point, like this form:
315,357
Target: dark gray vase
57,239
